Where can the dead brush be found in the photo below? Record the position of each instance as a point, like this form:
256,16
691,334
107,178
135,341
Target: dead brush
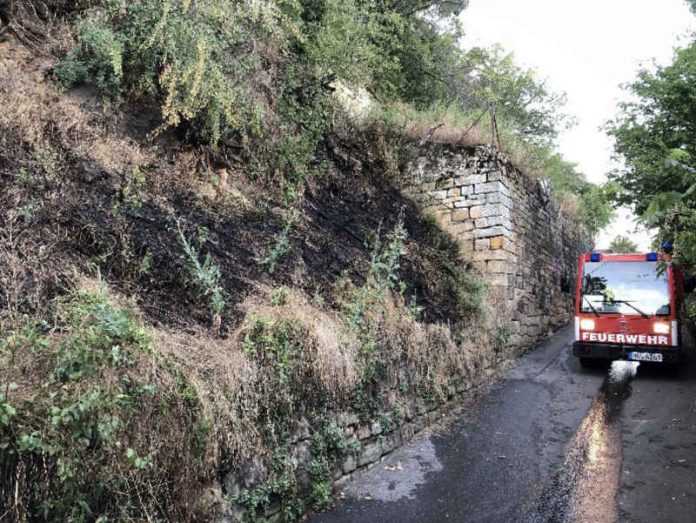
239,391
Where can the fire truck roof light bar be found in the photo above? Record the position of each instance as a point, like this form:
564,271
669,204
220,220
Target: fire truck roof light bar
652,256
595,257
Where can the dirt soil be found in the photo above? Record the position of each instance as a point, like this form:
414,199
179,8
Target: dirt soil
88,183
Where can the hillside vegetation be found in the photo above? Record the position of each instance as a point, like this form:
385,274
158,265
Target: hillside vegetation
201,247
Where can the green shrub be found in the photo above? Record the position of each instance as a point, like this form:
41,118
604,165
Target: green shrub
98,58
69,449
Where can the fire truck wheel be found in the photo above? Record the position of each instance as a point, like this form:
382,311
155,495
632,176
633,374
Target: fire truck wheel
594,363
672,369
588,362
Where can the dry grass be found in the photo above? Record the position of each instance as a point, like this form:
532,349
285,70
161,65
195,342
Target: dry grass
448,133
231,387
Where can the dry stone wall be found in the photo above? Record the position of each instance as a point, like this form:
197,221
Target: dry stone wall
367,443
510,228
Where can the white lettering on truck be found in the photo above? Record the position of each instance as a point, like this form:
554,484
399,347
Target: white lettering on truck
632,339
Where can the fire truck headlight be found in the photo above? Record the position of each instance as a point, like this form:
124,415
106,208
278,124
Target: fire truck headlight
587,324
661,327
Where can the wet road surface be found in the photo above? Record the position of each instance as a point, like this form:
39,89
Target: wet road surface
549,442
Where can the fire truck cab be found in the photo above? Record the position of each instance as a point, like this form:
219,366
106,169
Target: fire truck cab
628,307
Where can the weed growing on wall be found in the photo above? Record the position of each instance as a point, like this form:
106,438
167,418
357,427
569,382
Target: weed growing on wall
204,275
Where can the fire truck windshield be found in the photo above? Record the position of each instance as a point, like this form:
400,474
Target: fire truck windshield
624,287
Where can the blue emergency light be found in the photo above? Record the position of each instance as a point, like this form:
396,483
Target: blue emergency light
652,256
595,257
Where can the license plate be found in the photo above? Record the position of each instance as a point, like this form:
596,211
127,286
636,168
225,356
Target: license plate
645,356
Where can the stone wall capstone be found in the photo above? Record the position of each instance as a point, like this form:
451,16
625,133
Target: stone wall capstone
510,228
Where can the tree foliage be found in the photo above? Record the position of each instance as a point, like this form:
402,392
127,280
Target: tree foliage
623,244
258,76
656,135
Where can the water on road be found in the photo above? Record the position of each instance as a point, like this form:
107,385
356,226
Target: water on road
549,442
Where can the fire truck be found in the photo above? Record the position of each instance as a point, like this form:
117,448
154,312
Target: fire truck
628,307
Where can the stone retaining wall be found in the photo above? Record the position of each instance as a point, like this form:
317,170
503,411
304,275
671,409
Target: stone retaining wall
513,232
375,438
510,228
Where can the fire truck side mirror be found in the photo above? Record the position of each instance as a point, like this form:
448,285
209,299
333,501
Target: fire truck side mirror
689,283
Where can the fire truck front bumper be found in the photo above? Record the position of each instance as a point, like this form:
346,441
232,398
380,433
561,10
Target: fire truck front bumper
609,351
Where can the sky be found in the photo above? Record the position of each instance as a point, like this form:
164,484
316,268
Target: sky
587,49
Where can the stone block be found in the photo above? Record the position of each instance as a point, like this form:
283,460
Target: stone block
479,266
496,266
371,453
497,242
364,432
489,210
488,187
376,428
482,223
496,175
473,199
489,232
497,280
300,454
392,441
482,245
349,465
438,195
488,255
459,215
470,179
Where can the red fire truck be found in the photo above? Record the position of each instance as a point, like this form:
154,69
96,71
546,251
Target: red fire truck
628,307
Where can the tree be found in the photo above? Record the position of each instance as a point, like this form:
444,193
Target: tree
519,97
656,136
623,244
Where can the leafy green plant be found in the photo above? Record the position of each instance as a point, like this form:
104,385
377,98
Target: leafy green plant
382,277
281,247
328,445
275,344
98,57
500,337
281,485
204,275
78,434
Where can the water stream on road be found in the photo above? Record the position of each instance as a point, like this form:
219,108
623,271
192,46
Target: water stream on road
584,488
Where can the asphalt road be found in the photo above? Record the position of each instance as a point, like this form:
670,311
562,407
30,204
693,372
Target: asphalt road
548,442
